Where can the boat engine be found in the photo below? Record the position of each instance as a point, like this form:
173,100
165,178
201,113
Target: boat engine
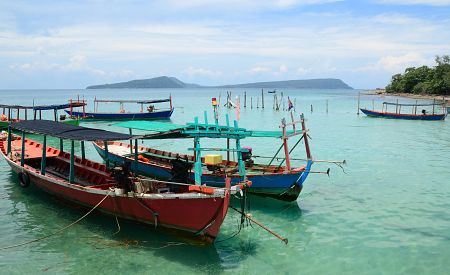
122,175
62,117
181,169
247,156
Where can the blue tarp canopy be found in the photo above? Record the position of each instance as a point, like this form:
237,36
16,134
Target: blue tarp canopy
67,131
58,106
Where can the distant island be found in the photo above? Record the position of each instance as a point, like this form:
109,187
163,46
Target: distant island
172,82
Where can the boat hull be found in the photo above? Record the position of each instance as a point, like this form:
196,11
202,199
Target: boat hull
199,216
281,186
119,116
373,113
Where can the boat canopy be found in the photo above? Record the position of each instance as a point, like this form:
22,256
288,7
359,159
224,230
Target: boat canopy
59,106
133,101
168,130
67,131
412,104
6,106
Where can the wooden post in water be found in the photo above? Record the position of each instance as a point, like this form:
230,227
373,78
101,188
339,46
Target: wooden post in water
327,106
257,102
262,98
245,99
311,108
251,102
434,102
359,100
396,107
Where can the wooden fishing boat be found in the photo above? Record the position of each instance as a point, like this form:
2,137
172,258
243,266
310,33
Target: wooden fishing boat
6,117
195,210
149,113
414,115
282,182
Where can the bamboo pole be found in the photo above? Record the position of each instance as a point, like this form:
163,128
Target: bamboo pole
245,99
262,98
359,100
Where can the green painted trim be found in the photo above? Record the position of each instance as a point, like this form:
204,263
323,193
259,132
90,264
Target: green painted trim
72,162
22,154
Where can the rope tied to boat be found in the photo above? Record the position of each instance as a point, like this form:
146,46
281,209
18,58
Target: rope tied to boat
61,229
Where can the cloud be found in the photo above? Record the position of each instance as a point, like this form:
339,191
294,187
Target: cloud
416,2
259,70
395,64
191,71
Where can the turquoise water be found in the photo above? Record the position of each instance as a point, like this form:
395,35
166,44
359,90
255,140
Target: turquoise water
388,213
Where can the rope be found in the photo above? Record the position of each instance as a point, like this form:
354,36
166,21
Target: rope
59,230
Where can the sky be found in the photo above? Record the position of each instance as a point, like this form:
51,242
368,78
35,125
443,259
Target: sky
73,44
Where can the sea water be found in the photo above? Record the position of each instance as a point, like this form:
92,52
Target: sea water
386,212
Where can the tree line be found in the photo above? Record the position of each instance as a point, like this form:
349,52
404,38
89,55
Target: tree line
423,80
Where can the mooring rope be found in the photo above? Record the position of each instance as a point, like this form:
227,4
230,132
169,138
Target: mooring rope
59,230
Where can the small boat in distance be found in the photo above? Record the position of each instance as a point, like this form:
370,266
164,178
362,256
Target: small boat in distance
7,115
150,112
415,114
195,210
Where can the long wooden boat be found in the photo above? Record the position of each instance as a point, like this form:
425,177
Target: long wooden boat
374,113
149,113
282,182
6,117
191,209
414,115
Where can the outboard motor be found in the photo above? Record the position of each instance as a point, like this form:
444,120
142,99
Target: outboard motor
62,117
181,169
247,156
122,175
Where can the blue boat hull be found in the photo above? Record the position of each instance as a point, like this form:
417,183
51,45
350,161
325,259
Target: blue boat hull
403,116
129,116
286,187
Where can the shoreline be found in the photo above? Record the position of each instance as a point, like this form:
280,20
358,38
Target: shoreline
408,95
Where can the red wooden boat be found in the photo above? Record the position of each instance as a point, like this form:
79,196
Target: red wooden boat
196,210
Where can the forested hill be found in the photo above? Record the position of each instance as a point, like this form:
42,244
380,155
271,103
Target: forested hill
323,83
157,82
172,82
423,80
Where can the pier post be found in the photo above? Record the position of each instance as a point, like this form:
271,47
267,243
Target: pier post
262,98
327,106
105,144
245,99
359,100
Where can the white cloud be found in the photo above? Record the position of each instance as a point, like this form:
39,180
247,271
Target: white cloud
302,71
417,2
259,69
191,71
395,64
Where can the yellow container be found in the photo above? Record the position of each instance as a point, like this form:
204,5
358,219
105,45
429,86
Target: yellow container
213,159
